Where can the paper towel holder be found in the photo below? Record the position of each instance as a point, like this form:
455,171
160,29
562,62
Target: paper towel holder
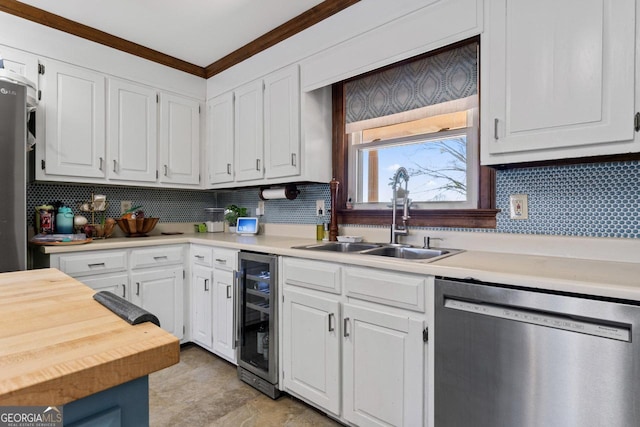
289,191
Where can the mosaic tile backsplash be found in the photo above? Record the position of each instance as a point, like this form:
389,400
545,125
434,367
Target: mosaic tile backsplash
597,200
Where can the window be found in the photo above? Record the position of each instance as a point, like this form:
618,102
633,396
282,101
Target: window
421,114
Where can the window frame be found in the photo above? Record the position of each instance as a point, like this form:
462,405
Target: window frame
470,133
484,216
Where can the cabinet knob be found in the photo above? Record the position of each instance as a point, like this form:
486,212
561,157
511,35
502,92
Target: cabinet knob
345,332
166,170
115,165
228,168
206,285
101,162
293,159
495,129
137,288
331,327
257,164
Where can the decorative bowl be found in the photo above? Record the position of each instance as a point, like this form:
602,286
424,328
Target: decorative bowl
138,227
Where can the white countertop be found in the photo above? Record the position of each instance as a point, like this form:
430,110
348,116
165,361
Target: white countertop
602,278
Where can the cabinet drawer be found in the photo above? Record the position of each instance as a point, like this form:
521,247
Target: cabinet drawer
158,256
93,263
318,275
202,255
386,287
225,258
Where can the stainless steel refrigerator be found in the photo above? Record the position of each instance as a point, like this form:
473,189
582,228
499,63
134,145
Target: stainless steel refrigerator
13,175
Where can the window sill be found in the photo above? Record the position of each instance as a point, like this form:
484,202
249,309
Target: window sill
456,218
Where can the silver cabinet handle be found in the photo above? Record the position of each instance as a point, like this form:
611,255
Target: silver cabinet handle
97,264
166,170
101,162
115,164
293,159
228,168
124,290
228,291
137,288
206,285
221,261
495,129
199,256
331,327
257,164
346,322
160,258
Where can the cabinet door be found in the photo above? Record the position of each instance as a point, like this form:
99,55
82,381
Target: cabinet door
74,99
282,123
383,368
117,284
249,132
161,293
311,348
133,138
223,315
555,81
220,138
179,140
201,305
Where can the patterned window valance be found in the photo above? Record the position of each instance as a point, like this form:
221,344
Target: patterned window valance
444,77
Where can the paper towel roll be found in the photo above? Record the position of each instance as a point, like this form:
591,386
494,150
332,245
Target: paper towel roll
274,193
287,192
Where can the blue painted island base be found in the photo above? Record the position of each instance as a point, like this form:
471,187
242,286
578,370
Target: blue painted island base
126,405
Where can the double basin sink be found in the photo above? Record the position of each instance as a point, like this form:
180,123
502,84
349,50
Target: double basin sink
382,249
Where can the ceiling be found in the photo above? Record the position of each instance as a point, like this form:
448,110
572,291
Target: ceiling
200,33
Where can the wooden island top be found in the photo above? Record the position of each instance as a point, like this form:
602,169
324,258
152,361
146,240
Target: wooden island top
57,344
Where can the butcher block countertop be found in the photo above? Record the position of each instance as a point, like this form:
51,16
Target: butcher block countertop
57,344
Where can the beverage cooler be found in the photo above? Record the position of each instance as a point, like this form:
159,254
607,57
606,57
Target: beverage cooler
258,322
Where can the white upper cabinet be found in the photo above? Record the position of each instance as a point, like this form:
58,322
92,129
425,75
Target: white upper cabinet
132,136
249,132
282,123
179,139
558,79
75,121
268,132
220,138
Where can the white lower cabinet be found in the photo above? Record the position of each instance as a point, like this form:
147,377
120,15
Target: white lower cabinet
213,299
311,342
161,292
117,284
355,358
201,305
151,278
223,315
382,368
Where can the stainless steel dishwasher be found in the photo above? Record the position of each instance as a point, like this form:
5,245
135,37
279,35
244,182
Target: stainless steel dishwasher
508,356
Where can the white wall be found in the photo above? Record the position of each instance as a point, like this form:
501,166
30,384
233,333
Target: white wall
46,42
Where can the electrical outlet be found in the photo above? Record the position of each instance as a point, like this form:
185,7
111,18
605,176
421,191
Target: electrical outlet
125,205
260,208
320,207
519,206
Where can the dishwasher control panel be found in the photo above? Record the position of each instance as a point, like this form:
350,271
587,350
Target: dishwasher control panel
540,318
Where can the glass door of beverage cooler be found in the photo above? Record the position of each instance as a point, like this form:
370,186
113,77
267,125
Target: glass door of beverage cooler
258,343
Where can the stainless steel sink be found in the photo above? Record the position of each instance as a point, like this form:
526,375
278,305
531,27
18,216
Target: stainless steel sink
382,249
406,252
339,246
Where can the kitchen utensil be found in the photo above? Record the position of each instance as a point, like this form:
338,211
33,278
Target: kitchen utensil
138,227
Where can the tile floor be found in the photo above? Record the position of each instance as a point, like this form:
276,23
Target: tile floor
204,390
